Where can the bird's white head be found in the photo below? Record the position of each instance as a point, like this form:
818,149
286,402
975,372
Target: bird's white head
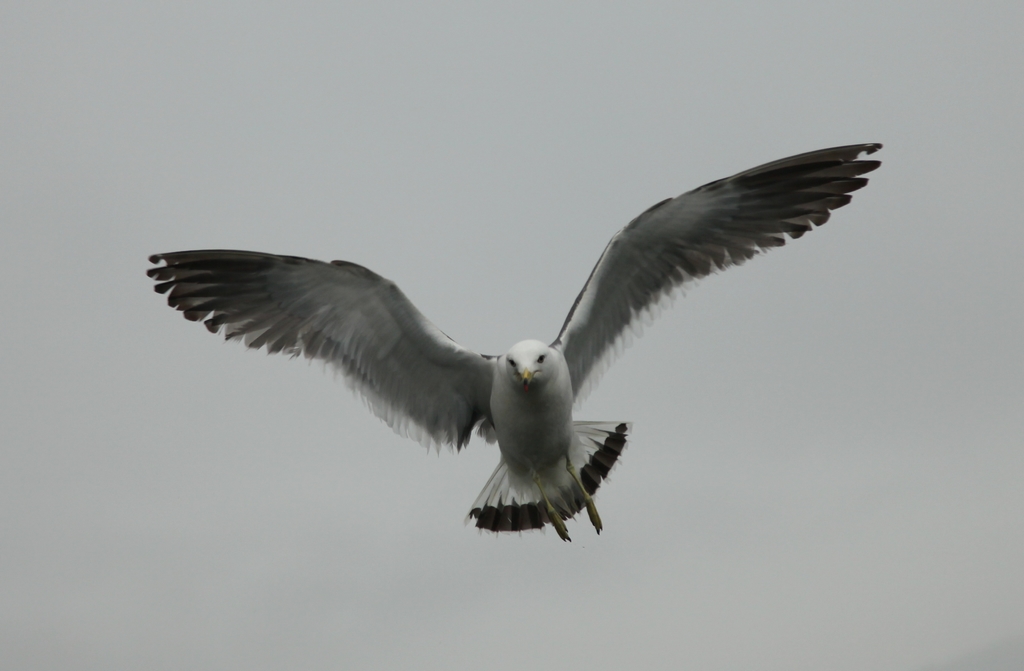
530,364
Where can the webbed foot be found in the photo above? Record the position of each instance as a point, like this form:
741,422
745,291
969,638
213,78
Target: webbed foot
556,519
595,519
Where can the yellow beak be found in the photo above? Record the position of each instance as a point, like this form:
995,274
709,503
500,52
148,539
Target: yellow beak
527,375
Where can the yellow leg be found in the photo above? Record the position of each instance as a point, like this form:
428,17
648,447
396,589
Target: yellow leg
556,519
595,519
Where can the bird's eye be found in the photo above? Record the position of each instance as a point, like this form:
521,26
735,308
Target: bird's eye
512,363
540,359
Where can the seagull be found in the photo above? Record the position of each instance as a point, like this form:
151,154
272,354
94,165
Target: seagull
426,386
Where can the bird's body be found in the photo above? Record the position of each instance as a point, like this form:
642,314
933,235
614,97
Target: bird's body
426,386
546,399
531,412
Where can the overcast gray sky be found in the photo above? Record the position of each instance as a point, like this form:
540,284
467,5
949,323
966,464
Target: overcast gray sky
826,465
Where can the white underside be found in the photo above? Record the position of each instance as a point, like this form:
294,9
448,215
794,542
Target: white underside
514,486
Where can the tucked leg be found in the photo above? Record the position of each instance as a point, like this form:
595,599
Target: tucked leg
595,519
556,519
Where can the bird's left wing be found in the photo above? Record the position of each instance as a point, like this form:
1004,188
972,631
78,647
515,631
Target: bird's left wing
711,228
413,376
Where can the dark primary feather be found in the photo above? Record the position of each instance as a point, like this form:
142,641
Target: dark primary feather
413,377
711,228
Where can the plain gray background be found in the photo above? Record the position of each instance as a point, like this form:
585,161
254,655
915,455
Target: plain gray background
826,465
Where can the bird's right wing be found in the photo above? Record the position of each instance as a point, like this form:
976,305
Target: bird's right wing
414,377
711,228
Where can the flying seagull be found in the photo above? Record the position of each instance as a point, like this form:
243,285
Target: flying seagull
426,386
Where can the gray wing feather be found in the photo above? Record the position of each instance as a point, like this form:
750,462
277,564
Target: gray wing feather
415,378
711,228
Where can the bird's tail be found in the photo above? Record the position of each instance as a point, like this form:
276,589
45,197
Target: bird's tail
511,501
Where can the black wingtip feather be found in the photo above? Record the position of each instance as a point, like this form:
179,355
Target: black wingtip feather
509,518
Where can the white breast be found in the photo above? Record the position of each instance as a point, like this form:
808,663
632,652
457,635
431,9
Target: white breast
534,428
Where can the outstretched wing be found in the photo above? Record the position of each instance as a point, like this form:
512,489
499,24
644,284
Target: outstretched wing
719,225
414,377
